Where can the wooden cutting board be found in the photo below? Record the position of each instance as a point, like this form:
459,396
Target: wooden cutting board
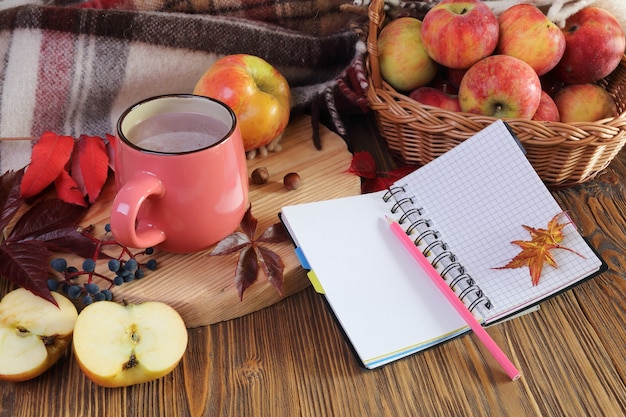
201,287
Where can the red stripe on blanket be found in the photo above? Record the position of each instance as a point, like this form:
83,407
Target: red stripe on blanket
54,80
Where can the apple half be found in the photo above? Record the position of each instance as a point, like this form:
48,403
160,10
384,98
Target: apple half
34,333
118,345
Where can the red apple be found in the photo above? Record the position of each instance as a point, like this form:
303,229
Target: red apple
437,98
257,92
595,45
459,33
584,103
500,86
526,33
547,110
404,63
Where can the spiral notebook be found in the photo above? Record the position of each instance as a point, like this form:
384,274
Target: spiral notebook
463,210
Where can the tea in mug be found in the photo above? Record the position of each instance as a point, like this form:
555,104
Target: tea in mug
176,132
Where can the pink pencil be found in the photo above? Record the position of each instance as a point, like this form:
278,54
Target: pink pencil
469,318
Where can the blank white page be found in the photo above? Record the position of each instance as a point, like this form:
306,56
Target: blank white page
386,305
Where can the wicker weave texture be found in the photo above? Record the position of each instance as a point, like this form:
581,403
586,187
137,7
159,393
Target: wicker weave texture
563,154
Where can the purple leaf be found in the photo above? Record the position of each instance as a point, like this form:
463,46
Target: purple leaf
247,270
25,265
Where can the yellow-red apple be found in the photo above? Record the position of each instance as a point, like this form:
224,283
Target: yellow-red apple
526,33
437,98
34,333
584,103
459,33
500,86
256,91
547,110
594,46
404,63
119,345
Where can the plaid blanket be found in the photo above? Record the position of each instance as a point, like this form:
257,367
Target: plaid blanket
73,68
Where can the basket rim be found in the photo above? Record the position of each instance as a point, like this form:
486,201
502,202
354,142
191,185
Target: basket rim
376,16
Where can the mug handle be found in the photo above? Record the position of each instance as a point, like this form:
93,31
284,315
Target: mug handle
126,205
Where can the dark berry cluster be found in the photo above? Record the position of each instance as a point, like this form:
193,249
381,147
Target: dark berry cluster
124,267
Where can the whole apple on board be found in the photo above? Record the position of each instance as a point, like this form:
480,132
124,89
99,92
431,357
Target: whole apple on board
34,333
255,90
118,345
404,63
500,86
584,103
459,33
526,33
595,45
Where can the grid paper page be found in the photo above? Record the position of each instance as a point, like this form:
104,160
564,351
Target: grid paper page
478,196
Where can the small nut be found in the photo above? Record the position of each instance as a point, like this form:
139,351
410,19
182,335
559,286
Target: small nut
260,175
292,181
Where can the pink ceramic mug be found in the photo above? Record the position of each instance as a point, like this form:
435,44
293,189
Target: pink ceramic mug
180,172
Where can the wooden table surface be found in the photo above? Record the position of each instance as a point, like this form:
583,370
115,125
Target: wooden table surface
290,359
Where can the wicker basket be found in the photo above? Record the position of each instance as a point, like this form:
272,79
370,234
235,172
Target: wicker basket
563,154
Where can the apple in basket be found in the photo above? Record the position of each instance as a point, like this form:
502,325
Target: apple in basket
500,86
437,98
459,33
256,91
34,333
594,46
404,63
526,33
547,110
584,103
119,345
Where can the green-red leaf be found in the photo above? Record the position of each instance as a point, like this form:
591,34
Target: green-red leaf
48,159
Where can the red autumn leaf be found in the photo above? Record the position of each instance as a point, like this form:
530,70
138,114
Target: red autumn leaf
48,159
67,189
252,256
363,165
537,251
94,165
110,147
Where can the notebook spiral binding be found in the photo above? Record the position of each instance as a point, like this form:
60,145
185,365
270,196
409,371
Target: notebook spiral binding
430,242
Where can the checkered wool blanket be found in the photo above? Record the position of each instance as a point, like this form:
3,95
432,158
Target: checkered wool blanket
73,68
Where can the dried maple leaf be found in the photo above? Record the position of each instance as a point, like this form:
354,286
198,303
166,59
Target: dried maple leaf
537,251
252,256
364,165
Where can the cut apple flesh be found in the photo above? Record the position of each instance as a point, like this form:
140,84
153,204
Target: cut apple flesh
34,333
118,345
20,353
